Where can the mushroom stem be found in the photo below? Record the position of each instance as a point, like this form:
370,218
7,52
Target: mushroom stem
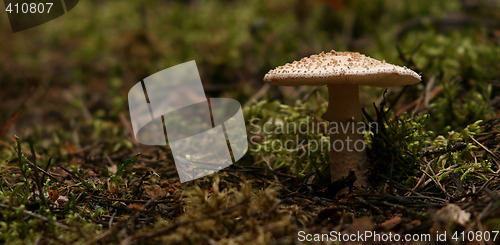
347,149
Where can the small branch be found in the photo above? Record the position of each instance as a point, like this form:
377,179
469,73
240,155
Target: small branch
495,157
114,229
433,177
43,171
131,201
440,151
261,93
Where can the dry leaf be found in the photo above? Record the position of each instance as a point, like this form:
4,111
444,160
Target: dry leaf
154,191
112,169
390,223
135,206
61,200
53,195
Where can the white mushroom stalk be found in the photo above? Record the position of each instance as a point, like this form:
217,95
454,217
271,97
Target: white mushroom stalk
347,149
343,73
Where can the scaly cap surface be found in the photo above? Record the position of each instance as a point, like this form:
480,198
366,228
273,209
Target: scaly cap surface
342,68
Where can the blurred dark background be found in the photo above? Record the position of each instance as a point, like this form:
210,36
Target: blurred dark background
77,69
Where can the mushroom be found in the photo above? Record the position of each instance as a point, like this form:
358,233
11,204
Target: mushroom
343,73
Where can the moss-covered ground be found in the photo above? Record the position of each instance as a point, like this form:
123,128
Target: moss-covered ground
72,173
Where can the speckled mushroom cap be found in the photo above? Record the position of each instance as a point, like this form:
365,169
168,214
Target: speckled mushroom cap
342,68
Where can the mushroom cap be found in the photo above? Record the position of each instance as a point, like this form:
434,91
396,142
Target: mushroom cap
341,68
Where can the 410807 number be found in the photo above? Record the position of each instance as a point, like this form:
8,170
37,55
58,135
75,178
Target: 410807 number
29,8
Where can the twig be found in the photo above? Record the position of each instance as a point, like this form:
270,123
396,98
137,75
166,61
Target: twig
495,157
426,95
127,125
309,94
433,94
137,214
440,151
400,186
131,201
433,177
132,219
487,182
110,223
262,91
43,171
371,206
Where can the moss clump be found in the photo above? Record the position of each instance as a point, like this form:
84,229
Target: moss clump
232,215
394,147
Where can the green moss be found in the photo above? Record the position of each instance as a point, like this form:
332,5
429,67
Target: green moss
93,54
